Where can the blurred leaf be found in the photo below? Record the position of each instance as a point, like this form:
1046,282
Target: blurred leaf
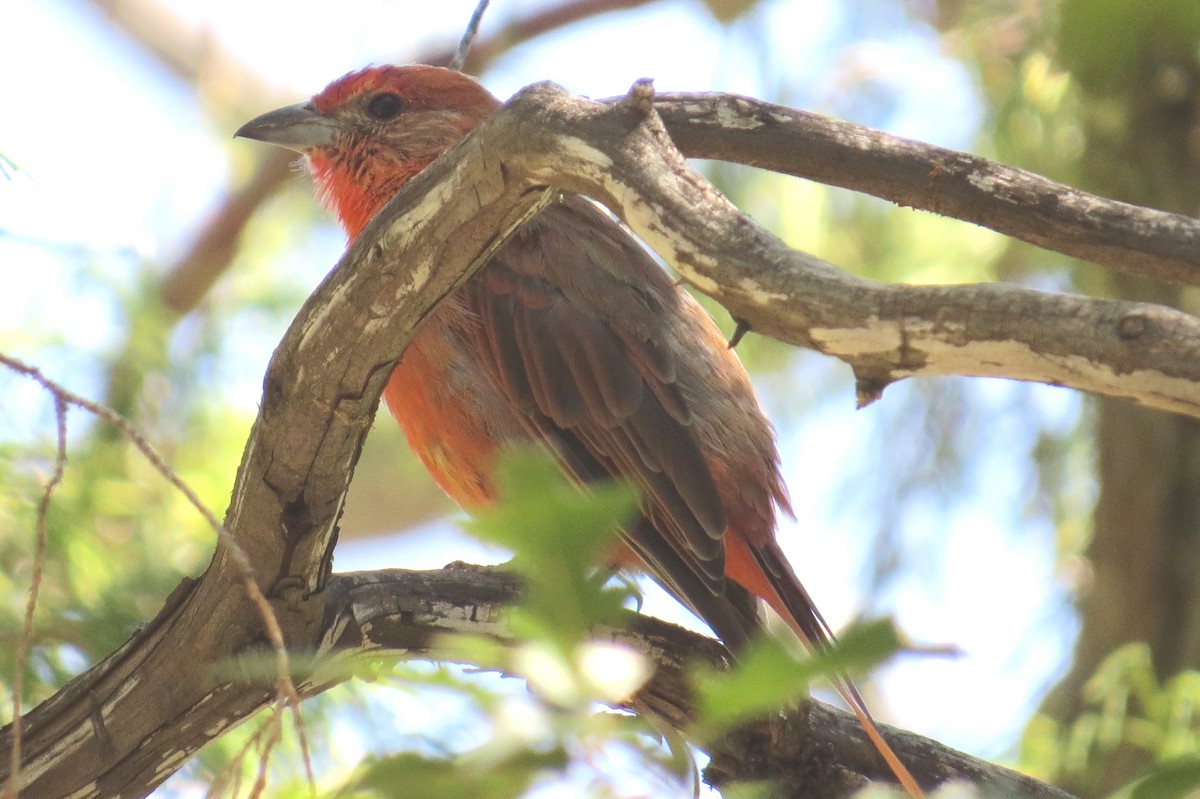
1041,754
769,676
485,653
1126,672
1181,701
1104,41
537,499
1133,713
1175,780
560,533
749,790
410,774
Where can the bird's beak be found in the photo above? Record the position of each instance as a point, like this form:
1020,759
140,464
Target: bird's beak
297,127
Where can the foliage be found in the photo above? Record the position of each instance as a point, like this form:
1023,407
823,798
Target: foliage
506,743
1102,40
119,538
771,674
557,532
1129,712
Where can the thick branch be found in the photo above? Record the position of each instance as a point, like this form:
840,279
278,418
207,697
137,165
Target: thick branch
622,156
131,720
814,750
1014,202
1137,351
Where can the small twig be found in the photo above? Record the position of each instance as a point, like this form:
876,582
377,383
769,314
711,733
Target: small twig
230,775
302,735
464,44
63,396
25,639
273,732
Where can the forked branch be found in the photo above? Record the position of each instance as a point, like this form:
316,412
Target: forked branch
127,723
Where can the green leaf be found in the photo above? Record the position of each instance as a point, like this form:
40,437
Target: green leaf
410,774
769,676
561,533
542,512
1103,42
1174,780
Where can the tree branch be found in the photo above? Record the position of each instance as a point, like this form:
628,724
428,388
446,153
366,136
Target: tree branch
131,720
1029,207
813,750
621,155
1138,351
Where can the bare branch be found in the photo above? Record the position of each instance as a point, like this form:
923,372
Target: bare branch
1137,351
1140,241
464,45
25,636
622,156
816,746
401,613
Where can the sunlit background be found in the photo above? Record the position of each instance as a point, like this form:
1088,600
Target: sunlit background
953,505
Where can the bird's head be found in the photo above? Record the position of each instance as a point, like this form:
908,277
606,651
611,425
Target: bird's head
366,134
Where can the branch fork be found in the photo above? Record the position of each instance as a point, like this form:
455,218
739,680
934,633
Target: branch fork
131,720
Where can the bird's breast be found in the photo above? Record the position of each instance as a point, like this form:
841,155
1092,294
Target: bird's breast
451,411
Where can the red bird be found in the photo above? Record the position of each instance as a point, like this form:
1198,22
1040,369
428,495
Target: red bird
570,336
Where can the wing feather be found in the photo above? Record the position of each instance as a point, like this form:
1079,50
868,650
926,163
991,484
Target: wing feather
572,318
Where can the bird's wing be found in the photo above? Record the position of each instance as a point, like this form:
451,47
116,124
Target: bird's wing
574,325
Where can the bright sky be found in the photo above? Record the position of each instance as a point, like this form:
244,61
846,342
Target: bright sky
119,159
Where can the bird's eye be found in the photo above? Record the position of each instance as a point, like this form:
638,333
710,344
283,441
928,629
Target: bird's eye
385,106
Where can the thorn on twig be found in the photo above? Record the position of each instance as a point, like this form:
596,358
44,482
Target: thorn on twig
739,332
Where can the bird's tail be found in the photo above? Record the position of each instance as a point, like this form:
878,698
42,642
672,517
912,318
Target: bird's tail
788,597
